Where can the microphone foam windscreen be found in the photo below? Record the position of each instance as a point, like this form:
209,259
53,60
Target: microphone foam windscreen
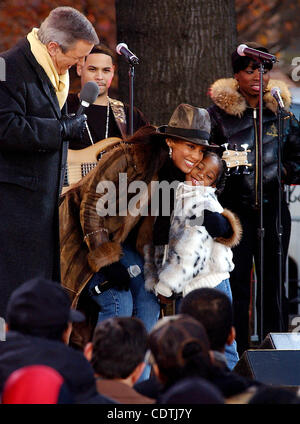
89,92
274,90
119,46
241,49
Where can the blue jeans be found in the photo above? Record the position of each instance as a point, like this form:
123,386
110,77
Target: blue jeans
231,354
135,302
121,303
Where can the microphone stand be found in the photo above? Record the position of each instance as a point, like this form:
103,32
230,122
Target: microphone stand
131,79
261,230
280,229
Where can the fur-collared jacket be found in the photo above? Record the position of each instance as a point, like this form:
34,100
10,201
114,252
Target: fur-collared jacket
235,123
95,215
192,259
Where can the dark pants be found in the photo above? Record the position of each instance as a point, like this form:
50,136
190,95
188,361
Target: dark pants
240,278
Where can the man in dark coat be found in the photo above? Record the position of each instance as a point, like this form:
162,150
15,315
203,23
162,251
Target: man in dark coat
34,129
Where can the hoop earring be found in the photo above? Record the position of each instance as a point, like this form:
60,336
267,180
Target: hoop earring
170,152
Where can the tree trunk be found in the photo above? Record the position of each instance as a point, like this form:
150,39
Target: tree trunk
183,46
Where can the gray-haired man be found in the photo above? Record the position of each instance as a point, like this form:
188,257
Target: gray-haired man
33,131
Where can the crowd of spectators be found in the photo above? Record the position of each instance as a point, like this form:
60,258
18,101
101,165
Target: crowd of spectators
185,352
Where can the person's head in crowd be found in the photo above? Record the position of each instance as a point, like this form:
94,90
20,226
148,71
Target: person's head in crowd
41,307
179,348
36,384
246,72
68,36
213,309
271,395
192,390
118,349
99,67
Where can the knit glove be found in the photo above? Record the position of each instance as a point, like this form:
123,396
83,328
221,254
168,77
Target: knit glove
216,224
117,274
72,127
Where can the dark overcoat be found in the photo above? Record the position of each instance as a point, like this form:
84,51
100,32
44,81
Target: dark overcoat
32,161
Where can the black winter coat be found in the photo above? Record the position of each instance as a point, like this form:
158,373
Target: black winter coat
32,161
235,123
22,350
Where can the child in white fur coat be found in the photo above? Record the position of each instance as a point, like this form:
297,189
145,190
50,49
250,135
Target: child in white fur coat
193,259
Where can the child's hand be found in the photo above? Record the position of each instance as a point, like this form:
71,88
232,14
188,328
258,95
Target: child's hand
162,289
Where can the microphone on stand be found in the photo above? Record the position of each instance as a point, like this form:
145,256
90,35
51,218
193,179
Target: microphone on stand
275,91
87,96
123,50
244,50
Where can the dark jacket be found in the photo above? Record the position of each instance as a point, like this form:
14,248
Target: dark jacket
230,384
32,160
121,392
234,122
96,118
20,350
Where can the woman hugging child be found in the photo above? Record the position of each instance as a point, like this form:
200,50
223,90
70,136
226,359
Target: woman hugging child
193,259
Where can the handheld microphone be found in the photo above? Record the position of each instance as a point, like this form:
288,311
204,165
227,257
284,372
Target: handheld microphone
87,96
275,91
244,50
123,50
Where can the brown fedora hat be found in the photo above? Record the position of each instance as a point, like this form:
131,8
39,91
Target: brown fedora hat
188,123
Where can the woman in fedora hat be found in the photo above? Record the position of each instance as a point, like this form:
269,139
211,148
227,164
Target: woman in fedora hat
188,253
105,224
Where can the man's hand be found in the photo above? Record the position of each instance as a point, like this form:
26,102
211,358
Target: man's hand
73,127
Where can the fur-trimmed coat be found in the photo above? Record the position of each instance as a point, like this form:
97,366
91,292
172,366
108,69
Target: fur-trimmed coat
89,237
93,225
192,259
235,123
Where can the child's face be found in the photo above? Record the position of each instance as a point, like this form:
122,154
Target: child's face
205,173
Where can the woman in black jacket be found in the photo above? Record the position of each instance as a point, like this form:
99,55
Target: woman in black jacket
235,120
